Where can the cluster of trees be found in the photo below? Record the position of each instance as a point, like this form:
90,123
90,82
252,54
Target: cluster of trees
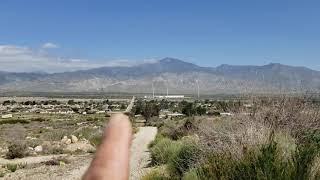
191,109
152,108
147,109
8,102
48,102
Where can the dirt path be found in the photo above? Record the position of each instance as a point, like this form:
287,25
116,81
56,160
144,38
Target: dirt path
130,106
140,158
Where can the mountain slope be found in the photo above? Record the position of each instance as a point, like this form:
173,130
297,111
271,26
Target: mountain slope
177,75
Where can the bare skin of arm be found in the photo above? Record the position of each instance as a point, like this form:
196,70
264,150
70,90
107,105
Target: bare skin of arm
111,160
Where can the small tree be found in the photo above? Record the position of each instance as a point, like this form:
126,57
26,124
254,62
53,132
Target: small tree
71,102
188,109
150,109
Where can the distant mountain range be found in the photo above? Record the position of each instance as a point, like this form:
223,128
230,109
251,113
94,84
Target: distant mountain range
175,75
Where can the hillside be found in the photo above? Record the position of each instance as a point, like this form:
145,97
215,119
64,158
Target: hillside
177,75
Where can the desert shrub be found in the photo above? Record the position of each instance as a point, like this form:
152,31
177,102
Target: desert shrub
33,142
215,166
265,162
184,158
303,161
311,137
14,121
52,149
16,150
293,114
12,167
276,139
159,173
57,161
92,119
191,175
176,129
56,134
315,169
155,121
156,140
163,150
38,119
262,164
94,136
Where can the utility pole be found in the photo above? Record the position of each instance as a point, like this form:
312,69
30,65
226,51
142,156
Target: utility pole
198,88
152,90
167,89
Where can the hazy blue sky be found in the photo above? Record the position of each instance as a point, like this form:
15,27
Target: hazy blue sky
208,32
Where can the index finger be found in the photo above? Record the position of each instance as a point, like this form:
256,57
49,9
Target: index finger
111,160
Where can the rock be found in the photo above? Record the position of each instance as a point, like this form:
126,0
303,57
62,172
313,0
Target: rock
80,146
74,139
64,139
68,141
84,140
38,149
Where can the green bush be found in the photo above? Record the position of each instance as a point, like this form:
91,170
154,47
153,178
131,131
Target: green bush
191,175
158,173
12,167
265,162
163,150
185,158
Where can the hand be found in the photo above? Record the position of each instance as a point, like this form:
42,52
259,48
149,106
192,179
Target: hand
111,160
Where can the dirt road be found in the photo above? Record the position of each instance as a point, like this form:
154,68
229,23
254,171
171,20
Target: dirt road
140,158
130,106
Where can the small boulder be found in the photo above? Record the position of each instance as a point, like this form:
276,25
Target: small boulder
38,149
68,141
80,146
74,139
64,139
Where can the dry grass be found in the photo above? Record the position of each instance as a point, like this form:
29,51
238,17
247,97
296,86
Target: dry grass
275,139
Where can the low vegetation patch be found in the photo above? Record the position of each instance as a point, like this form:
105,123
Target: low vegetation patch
276,139
14,121
93,135
12,167
16,150
57,161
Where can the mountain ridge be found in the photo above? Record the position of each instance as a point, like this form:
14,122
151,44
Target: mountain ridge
179,76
